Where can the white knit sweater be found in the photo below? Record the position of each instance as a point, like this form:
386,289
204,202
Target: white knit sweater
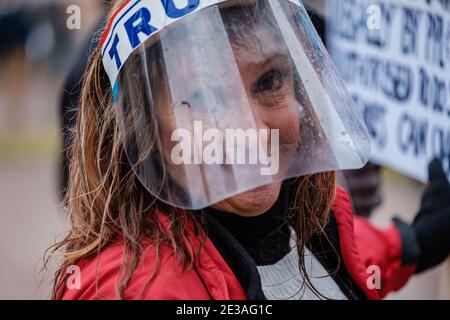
284,281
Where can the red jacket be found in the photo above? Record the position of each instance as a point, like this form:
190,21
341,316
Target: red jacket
361,245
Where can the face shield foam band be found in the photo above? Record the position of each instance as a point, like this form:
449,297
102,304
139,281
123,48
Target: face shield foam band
216,98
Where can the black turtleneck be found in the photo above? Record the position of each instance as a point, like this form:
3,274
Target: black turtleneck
264,237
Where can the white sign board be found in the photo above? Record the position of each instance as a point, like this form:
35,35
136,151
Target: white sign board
394,56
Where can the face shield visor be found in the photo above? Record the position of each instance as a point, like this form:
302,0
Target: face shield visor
215,98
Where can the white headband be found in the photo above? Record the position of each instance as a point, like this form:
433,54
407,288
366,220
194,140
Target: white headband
136,21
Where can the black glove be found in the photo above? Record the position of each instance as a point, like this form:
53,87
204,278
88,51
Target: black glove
427,241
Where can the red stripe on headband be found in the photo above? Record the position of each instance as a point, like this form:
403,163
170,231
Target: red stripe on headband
108,28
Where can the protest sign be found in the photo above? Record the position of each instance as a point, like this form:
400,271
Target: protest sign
394,57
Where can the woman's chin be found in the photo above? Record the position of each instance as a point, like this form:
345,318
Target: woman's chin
253,202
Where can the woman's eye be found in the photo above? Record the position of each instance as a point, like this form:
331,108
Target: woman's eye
272,81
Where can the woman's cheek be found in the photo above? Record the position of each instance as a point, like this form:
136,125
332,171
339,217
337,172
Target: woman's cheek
286,118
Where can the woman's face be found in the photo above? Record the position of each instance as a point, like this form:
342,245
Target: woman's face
266,73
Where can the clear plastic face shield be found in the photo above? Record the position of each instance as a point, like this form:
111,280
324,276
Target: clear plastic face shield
215,98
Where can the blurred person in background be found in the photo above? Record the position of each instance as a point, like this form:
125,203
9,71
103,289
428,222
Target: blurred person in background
71,92
15,26
29,34
123,202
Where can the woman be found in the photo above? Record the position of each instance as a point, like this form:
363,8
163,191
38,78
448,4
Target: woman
203,169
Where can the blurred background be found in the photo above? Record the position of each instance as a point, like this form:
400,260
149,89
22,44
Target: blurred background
39,43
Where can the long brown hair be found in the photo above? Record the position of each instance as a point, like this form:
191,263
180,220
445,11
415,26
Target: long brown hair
105,199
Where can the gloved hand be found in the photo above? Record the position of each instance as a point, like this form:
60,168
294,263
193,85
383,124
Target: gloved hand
427,241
